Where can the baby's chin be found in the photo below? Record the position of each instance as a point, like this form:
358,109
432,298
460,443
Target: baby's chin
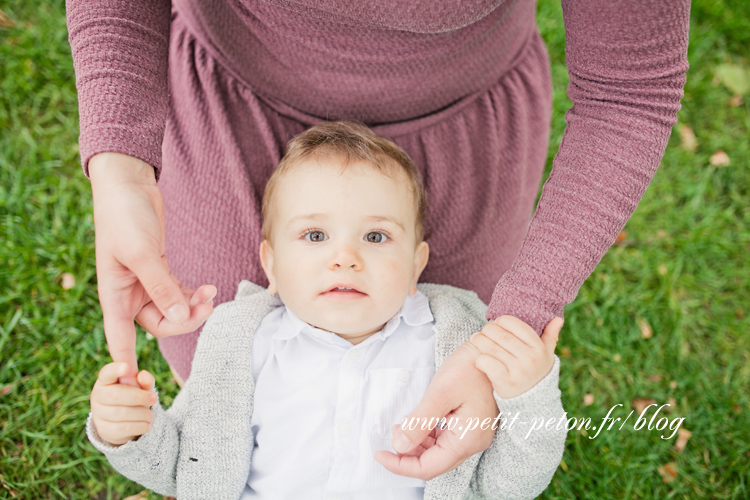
348,332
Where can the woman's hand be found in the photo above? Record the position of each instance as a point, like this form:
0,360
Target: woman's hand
514,357
121,412
460,392
134,280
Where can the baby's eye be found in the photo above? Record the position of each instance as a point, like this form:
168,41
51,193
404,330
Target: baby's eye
316,236
375,237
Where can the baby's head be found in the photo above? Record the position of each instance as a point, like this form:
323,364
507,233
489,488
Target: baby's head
344,209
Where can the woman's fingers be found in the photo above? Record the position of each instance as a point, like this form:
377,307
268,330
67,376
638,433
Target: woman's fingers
203,295
154,322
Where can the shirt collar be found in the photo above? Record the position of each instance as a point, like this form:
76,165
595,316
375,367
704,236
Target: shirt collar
415,311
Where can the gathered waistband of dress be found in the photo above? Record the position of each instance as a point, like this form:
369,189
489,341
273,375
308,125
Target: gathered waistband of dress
389,88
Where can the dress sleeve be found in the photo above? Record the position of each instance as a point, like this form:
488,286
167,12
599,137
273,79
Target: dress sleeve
120,53
627,63
528,444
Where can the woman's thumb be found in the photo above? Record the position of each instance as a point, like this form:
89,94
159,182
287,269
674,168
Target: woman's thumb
551,333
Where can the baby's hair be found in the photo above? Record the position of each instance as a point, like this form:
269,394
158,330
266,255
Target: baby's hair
352,142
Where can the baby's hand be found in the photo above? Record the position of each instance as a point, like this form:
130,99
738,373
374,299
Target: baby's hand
513,356
122,412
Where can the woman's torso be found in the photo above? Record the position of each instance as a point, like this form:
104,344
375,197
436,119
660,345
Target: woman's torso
379,62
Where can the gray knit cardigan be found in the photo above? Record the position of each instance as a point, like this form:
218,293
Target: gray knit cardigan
201,447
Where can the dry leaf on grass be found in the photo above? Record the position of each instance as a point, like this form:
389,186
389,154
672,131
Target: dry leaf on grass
719,159
672,405
655,378
68,281
735,77
646,331
616,358
5,21
735,100
689,142
588,399
641,404
565,352
5,390
662,269
621,238
683,435
668,472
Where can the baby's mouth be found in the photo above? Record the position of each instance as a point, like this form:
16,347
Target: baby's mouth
343,290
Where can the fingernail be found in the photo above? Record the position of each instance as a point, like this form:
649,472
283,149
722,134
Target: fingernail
400,443
208,300
177,313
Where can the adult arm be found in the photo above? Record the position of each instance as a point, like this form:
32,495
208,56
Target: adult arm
627,63
120,53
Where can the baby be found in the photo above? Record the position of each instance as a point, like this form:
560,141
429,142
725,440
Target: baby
295,389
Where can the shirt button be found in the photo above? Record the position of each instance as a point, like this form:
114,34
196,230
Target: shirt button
344,429
404,376
354,354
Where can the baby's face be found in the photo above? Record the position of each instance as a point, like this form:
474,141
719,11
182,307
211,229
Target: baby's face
332,230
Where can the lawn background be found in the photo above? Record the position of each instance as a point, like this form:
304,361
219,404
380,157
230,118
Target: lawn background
681,267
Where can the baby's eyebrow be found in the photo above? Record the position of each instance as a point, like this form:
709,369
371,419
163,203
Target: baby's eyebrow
304,217
374,218
382,218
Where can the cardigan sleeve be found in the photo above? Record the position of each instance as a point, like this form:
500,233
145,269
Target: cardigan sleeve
151,460
120,53
627,63
528,444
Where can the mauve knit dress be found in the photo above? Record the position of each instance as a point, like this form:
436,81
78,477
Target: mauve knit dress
210,91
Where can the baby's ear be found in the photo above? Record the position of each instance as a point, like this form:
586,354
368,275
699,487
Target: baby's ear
266,261
421,256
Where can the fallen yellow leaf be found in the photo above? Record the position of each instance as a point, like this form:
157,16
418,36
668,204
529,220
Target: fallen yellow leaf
621,237
68,281
588,400
719,159
646,331
689,142
641,404
683,435
668,472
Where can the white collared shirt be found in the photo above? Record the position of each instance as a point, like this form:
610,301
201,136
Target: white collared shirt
323,407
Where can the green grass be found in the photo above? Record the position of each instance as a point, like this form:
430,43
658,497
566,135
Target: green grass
683,268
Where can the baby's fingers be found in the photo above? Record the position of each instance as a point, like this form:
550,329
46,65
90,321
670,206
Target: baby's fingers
110,373
122,395
122,413
119,433
146,381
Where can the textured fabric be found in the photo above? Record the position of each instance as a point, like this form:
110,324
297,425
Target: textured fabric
462,86
340,399
201,447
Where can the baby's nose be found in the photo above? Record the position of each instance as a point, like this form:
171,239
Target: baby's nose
347,256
